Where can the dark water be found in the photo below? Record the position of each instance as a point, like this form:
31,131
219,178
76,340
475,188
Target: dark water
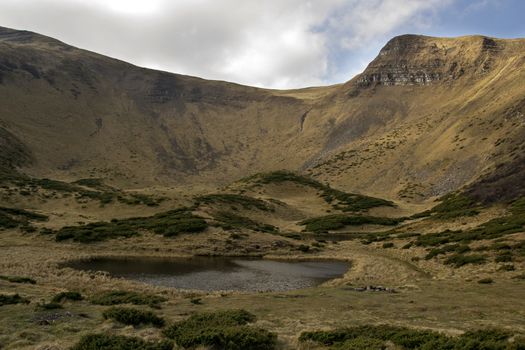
209,274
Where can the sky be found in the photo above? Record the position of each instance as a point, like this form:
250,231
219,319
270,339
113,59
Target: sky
271,43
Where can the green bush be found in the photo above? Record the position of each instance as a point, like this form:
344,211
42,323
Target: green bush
339,221
229,221
486,281
118,342
125,297
18,279
170,223
13,217
457,248
459,260
235,199
133,317
375,337
341,200
9,299
362,343
226,330
49,306
454,205
64,296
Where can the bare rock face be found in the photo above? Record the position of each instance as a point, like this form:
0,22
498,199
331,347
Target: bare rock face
420,60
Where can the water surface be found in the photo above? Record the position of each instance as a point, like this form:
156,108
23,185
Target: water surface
212,273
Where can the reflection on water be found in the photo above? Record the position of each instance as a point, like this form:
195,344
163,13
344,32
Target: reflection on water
212,273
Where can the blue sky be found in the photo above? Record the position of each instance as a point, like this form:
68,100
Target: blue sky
271,43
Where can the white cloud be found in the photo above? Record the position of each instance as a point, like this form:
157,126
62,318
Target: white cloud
272,43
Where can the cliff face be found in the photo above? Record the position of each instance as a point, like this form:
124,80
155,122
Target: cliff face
420,60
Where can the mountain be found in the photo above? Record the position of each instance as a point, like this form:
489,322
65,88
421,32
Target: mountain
426,117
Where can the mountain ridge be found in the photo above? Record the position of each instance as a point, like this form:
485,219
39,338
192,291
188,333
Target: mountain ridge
164,128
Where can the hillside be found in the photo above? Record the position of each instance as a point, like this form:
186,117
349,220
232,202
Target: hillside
429,115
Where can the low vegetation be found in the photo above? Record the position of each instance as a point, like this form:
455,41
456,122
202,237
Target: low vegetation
452,206
169,224
67,296
119,342
347,202
127,297
13,218
228,330
10,299
227,221
235,201
18,279
339,221
378,337
133,317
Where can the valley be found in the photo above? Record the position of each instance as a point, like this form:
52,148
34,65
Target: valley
411,173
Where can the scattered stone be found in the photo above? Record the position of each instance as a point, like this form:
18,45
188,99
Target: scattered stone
371,288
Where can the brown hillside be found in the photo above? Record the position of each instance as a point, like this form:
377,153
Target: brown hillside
427,116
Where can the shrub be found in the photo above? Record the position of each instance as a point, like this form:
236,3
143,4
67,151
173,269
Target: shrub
338,221
18,279
454,205
125,297
226,330
345,201
6,299
362,343
118,342
388,245
486,281
64,296
459,260
133,317
375,337
49,306
236,199
13,217
170,223
229,220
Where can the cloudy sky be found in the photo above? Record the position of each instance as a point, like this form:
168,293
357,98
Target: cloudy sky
270,43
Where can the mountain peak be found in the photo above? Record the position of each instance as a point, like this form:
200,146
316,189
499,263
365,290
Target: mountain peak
421,60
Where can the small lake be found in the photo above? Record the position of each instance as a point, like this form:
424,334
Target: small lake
218,273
